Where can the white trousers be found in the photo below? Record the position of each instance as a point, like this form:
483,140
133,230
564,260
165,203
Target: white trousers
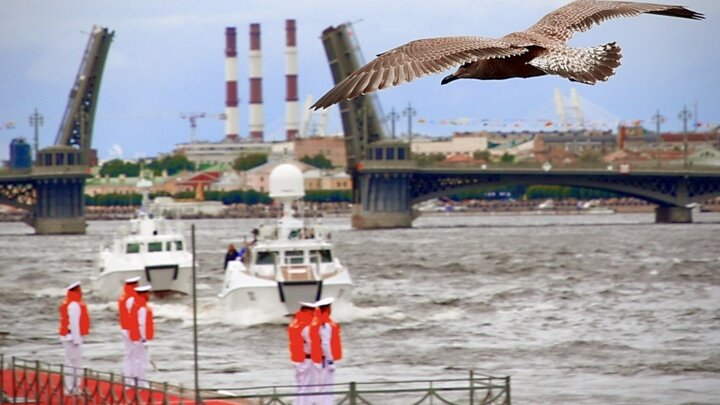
304,376
73,367
326,378
138,364
127,357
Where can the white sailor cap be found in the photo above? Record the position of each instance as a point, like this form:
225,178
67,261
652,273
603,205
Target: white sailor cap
73,285
132,280
307,304
144,288
325,302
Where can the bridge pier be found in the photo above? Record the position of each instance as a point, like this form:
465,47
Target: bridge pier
385,202
58,226
380,220
673,215
60,207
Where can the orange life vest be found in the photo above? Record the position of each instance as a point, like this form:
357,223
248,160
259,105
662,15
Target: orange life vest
335,341
134,328
122,305
74,295
302,319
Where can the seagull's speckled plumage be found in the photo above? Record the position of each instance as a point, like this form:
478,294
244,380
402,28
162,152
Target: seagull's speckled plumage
539,50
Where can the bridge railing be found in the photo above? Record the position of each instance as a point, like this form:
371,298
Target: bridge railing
642,166
475,389
29,381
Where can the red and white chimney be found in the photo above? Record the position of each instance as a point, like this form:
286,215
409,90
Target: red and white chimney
256,106
232,116
291,85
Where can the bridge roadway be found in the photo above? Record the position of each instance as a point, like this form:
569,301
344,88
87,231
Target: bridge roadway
388,189
53,196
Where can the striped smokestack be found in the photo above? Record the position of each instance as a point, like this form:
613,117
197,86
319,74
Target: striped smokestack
291,85
232,116
256,106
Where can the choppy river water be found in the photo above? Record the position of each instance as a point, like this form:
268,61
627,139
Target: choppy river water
595,309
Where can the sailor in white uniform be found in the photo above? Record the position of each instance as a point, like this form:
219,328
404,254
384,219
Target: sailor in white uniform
300,353
125,304
328,334
74,324
142,330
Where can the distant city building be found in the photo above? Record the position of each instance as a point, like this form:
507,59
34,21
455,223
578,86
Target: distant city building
171,208
258,177
228,181
225,151
318,179
229,149
314,178
465,143
521,149
332,147
566,146
118,185
705,156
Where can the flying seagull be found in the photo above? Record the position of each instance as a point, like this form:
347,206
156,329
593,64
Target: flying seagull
539,50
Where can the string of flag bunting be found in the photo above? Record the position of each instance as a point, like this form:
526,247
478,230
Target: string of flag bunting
521,123
7,125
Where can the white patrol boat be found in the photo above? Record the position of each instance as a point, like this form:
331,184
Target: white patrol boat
288,262
149,247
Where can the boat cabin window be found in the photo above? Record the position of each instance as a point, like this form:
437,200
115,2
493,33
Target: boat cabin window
294,257
169,246
265,258
324,255
132,248
155,247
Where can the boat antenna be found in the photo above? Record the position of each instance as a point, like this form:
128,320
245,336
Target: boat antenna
195,330
144,186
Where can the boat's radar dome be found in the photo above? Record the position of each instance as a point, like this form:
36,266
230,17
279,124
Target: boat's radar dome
286,183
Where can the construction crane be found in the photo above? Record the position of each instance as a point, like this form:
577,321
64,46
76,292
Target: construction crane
192,117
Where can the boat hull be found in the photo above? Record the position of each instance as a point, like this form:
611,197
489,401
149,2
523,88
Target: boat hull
163,279
266,300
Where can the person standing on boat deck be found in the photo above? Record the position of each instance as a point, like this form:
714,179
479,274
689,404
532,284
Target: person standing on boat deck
327,349
125,304
300,350
74,324
243,250
142,330
231,254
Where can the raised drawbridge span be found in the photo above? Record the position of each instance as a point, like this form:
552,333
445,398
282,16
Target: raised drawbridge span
52,189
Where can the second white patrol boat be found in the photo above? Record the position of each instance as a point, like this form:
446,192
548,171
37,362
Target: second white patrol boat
288,262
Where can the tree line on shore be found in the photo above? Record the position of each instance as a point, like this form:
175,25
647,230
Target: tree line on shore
252,197
174,164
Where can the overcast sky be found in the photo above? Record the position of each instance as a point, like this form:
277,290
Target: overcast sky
167,58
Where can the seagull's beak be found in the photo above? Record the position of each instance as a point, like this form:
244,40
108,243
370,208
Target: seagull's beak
448,79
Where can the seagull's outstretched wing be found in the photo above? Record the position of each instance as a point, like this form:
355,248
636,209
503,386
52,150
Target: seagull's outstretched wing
580,15
416,59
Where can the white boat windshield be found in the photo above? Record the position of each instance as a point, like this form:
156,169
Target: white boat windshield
153,247
324,255
265,258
